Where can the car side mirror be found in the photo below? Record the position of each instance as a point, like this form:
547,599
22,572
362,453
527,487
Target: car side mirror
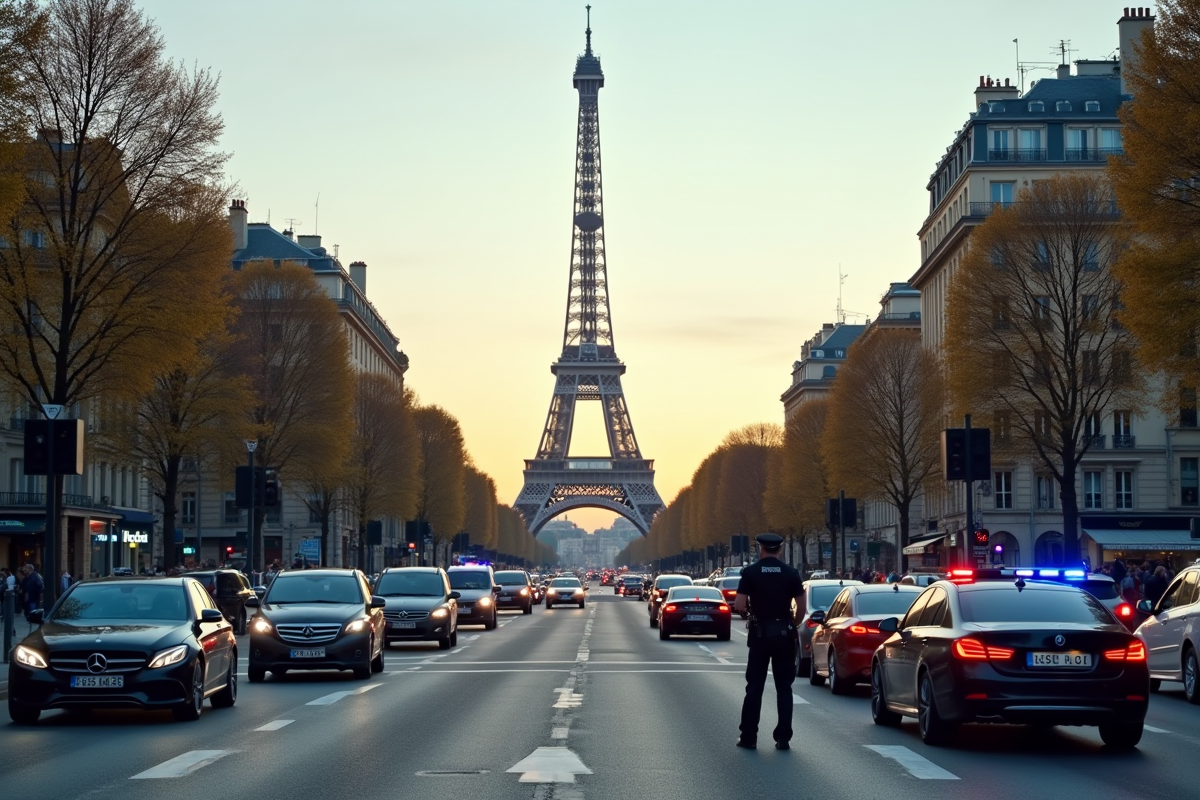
253,602
1145,606
36,616
817,616
455,596
889,625
211,615
495,590
260,590
378,602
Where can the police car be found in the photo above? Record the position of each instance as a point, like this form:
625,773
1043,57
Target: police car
1100,586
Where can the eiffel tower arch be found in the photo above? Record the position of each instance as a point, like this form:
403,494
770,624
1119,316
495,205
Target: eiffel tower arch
588,368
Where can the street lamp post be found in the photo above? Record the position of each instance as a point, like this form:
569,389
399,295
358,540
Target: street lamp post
251,446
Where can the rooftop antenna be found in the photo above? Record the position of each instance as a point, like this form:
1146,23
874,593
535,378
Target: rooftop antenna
1020,72
841,315
317,215
1064,51
293,223
335,250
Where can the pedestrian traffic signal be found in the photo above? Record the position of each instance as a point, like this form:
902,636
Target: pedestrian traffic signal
412,545
982,537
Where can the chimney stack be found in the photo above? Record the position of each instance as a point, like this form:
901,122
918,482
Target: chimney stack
358,274
1129,31
991,90
309,241
237,223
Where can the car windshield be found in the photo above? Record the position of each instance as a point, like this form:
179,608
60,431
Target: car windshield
470,579
411,584
511,578
1101,590
695,593
127,601
1032,604
308,588
821,596
566,583
889,603
667,583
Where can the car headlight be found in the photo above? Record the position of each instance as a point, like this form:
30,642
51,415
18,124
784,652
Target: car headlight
172,655
579,591
29,658
440,613
356,626
484,602
551,591
524,593
262,626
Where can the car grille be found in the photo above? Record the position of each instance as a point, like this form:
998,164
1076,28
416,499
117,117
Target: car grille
317,633
407,616
116,661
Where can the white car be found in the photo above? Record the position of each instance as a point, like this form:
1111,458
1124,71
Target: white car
1172,634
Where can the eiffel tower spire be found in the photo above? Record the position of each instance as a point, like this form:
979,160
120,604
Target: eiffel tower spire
588,368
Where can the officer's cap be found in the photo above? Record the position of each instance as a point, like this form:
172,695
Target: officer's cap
771,540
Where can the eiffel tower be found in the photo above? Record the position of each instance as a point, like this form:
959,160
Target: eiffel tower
588,368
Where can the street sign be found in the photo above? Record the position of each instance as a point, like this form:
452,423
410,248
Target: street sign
310,549
52,411
251,445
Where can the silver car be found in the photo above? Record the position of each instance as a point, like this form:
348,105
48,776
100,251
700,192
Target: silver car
1172,634
818,595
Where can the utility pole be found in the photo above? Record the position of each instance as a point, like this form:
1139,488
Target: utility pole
969,527
251,446
842,525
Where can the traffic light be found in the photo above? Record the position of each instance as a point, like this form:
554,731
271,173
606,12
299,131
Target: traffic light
412,545
954,454
982,537
228,549
272,495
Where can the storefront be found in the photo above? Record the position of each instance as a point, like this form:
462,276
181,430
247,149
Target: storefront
21,540
132,538
926,551
1165,540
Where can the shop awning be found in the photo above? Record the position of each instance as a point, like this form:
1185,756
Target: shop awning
12,525
917,546
135,516
1144,540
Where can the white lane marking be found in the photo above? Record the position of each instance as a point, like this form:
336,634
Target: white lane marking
720,659
330,699
275,725
559,733
797,700
663,671
477,671
743,633
567,698
917,766
1153,729
412,669
182,765
550,765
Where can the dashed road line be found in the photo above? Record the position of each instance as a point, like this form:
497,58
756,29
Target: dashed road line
917,766
720,659
330,699
1153,729
797,700
275,725
181,765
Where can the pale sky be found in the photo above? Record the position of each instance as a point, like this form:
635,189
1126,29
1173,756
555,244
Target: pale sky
750,148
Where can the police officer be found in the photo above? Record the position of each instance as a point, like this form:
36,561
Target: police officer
766,591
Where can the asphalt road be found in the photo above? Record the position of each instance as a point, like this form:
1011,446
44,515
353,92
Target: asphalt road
568,703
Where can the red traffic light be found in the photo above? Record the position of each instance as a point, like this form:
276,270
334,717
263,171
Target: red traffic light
412,545
982,537
228,549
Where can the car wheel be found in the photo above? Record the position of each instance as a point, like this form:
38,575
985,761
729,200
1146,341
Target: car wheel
228,695
189,710
880,713
662,633
1155,684
653,621
528,609
814,677
549,605
1191,674
723,636
239,625
23,715
934,729
363,671
256,674
582,603
444,643
1121,736
454,638
377,662
837,685
491,624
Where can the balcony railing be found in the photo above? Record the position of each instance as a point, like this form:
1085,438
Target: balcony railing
1018,154
38,499
1123,441
1093,153
1101,208
1094,442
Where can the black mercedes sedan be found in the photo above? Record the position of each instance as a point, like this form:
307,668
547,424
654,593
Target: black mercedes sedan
317,619
141,643
421,607
1023,651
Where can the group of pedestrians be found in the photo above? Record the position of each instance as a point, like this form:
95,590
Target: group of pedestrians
1145,581
26,584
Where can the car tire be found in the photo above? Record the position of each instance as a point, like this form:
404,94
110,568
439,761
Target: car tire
1155,684
454,638
814,677
23,715
377,662
528,609
1121,736
256,674
239,624
934,730
444,643
189,710
880,713
582,603
228,695
363,671
837,684
724,636
1191,675
549,605
663,634
653,621
490,625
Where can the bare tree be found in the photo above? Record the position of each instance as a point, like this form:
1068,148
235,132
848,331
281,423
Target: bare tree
805,475
1033,340
442,500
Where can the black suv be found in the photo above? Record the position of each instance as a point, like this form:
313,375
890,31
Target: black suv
515,590
230,590
317,619
421,607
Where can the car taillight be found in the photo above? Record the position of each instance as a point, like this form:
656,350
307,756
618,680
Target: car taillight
731,593
962,575
1136,651
975,650
671,607
863,629
808,623
723,608
1124,611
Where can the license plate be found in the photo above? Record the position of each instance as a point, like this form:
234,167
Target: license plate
318,652
1072,660
407,625
98,681
463,610
697,618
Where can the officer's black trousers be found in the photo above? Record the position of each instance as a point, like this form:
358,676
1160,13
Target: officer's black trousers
780,654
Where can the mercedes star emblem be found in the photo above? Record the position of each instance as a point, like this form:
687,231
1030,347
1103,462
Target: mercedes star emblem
403,615
97,663
308,632
1060,640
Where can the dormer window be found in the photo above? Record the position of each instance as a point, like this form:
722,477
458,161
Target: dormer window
1037,105
1062,105
1091,105
995,108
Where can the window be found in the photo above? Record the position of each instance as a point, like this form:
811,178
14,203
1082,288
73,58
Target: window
828,373
1092,424
1003,487
1030,138
1187,408
1090,306
1091,105
1091,257
1110,139
1124,489
1091,367
1189,482
1122,429
1047,488
1041,257
1093,483
1002,316
997,256
1041,425
274,514
1037,105
935,610
1001,427
1001,369
995,107
1002,192
1062,105
188,511
1122,366
314,506
1041,369
1041,308
232,514
1077,144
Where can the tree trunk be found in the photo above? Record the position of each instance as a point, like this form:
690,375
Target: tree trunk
325,514
902,509
169,496
362,545
260,514
1070,507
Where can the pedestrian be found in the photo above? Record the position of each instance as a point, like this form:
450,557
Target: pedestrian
1118,571
9,583
1156,585
33,586
766,591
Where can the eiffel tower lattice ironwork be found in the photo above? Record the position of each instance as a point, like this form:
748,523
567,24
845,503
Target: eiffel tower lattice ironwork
588,368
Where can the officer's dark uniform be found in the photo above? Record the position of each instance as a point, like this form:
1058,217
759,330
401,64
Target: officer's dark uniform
770,585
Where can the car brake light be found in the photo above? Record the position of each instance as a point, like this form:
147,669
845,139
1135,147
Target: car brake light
671,607
731,593
975,650
862,629
1124,610
1136,651
962,575
722,607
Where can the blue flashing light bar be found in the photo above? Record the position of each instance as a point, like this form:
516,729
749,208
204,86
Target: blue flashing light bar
1025,573
1047,573
1074,574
